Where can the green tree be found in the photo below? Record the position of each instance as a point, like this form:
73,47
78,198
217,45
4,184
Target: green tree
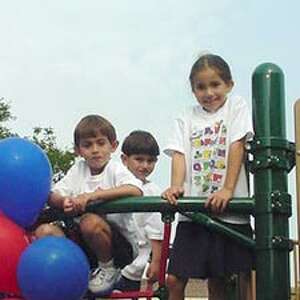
61,160
5,115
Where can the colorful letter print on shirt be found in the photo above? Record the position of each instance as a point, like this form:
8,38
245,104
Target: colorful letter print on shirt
208,149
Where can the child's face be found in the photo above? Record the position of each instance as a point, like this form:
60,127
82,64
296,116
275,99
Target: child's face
96,151
141,165
210,89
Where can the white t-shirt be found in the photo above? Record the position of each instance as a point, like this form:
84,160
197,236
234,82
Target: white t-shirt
149,227
204,138
79,180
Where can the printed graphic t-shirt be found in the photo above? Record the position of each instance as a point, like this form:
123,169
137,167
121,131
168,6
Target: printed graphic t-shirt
204,138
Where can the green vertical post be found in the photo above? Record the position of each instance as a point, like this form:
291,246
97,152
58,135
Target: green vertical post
270,166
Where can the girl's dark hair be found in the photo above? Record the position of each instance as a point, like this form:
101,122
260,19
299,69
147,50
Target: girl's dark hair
140,142
212,61
91,126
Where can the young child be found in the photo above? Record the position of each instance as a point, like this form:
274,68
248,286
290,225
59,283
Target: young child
139,154
207,153
111,237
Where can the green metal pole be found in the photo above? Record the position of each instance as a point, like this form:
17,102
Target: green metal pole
270,167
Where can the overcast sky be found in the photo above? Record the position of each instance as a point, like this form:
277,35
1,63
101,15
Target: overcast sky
129,60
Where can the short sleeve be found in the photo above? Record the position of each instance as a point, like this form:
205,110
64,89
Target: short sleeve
123,176
151,189
67,186
241,124
176,139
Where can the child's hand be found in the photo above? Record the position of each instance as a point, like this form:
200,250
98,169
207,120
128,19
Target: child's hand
68,205
81,201
172,194
153,271
219,200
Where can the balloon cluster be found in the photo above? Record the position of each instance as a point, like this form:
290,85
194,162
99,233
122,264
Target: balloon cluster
50,268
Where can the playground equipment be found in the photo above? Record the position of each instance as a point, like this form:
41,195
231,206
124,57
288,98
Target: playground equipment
271,158
296,243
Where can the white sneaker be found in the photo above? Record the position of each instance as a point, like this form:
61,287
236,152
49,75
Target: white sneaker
102,280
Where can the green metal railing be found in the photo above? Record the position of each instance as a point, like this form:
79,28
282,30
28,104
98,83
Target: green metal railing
199,214
186,204
152,204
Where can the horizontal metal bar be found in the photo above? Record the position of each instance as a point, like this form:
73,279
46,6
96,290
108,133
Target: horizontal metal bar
216,226
157,204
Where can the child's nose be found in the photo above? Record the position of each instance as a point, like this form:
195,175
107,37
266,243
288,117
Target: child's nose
145,164
95,148
210,91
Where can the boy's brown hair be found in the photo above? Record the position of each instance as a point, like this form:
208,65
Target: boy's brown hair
140,142
91,126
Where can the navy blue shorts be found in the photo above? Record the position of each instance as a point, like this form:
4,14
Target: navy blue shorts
200,253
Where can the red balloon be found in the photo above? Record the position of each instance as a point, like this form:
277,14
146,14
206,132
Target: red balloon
13,241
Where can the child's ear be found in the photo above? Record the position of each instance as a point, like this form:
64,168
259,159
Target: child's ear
77,151
124,158
230,85
114,145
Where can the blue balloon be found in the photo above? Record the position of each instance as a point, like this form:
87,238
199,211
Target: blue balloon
25,180
53,268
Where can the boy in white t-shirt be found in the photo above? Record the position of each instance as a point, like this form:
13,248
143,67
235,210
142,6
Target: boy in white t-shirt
139,155
112,237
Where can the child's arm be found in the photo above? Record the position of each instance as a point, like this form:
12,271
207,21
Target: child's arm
154,267
177,178
125,190
219,200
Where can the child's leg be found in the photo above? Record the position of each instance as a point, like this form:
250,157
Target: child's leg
97,234
245,286
216,287
176,287
48,229
100,237
253,285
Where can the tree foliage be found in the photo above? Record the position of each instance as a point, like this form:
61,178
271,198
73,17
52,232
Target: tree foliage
61,160
5,115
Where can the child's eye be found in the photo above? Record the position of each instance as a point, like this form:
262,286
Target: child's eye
151,161
101,142
215,84
199,86
84,145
